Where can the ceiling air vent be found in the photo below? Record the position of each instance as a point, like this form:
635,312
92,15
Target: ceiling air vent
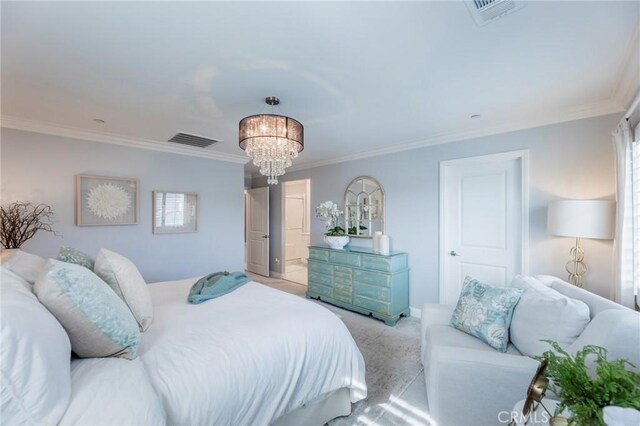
193,140
485,11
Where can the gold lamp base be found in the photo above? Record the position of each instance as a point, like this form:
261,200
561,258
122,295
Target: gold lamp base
575,267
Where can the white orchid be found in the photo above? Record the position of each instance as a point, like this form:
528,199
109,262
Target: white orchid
330,214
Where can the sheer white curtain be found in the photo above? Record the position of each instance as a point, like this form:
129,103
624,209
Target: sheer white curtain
627,239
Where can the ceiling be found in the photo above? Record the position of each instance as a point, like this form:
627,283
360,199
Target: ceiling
363,78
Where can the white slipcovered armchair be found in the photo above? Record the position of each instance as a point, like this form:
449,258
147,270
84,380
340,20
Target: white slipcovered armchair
468,382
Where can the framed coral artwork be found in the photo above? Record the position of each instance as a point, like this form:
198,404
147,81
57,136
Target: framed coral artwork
105,200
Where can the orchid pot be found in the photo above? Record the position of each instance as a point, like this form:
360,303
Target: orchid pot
336,242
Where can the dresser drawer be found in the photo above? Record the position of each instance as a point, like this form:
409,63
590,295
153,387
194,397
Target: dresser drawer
320,278
372,305
320,289
373,278
343,295
378,263
319,254
342,287
323,268
371,291
342,271
343,281
344,258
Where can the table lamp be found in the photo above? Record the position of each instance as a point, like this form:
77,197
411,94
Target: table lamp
580,219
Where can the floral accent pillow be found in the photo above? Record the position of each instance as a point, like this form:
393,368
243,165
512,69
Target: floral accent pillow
485,312
75,256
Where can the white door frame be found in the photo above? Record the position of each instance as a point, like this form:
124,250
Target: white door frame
283,231
523,156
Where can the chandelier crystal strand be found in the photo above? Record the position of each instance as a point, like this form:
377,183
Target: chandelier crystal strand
271,141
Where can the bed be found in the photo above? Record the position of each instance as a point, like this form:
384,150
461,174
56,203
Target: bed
256,356
250,357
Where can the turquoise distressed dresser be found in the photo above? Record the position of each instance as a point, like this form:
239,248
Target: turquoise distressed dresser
360,280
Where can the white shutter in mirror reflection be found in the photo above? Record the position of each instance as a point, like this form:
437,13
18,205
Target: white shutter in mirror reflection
174,212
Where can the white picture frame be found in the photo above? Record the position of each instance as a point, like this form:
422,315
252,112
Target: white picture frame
174,212
106,200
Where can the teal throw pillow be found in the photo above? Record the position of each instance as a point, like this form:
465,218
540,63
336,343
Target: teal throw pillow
98,322
485,312
75,256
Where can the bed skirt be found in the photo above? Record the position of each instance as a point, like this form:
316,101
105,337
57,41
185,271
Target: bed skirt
319,411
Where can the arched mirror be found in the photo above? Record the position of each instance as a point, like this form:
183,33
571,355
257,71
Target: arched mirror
364,207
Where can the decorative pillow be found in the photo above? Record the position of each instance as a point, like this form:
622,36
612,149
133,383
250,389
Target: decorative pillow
97,321
618,330
123,277
75,256
26,265
544,314
485,312
35,357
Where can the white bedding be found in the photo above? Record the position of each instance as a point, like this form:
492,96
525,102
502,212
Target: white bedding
112,391
245,358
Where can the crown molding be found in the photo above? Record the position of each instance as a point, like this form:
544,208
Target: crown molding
629,79
610,106
89,135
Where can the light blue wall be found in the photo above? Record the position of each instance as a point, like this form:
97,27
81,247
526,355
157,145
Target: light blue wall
41,169
567,160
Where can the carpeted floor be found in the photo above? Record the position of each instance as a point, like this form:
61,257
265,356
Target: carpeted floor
396,391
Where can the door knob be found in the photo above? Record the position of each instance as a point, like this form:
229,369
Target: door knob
265,236
453,253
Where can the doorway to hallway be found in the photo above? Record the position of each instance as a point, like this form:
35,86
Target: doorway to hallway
296,230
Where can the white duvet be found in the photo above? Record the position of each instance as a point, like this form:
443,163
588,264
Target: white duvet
245,358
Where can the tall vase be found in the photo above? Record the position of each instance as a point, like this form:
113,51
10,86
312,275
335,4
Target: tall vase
376,241
384,244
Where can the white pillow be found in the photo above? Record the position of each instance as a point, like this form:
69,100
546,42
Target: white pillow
28,266
617,330
544,314
125,279
35,358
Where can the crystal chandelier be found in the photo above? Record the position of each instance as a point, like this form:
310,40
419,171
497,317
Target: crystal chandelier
272,141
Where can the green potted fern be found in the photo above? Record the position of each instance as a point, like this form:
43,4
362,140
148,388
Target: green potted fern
586,388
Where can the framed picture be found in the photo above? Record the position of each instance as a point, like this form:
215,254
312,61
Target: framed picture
105,200
174,212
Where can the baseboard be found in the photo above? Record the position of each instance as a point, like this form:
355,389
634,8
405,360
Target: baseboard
274,274
415,312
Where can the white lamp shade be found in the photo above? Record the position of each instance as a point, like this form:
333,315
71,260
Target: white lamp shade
582,218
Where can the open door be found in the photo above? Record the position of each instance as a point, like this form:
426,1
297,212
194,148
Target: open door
296,224
257,229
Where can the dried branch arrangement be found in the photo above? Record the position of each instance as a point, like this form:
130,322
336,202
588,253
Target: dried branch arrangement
20,221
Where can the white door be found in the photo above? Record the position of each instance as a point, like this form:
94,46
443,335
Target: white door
257,223
483,221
